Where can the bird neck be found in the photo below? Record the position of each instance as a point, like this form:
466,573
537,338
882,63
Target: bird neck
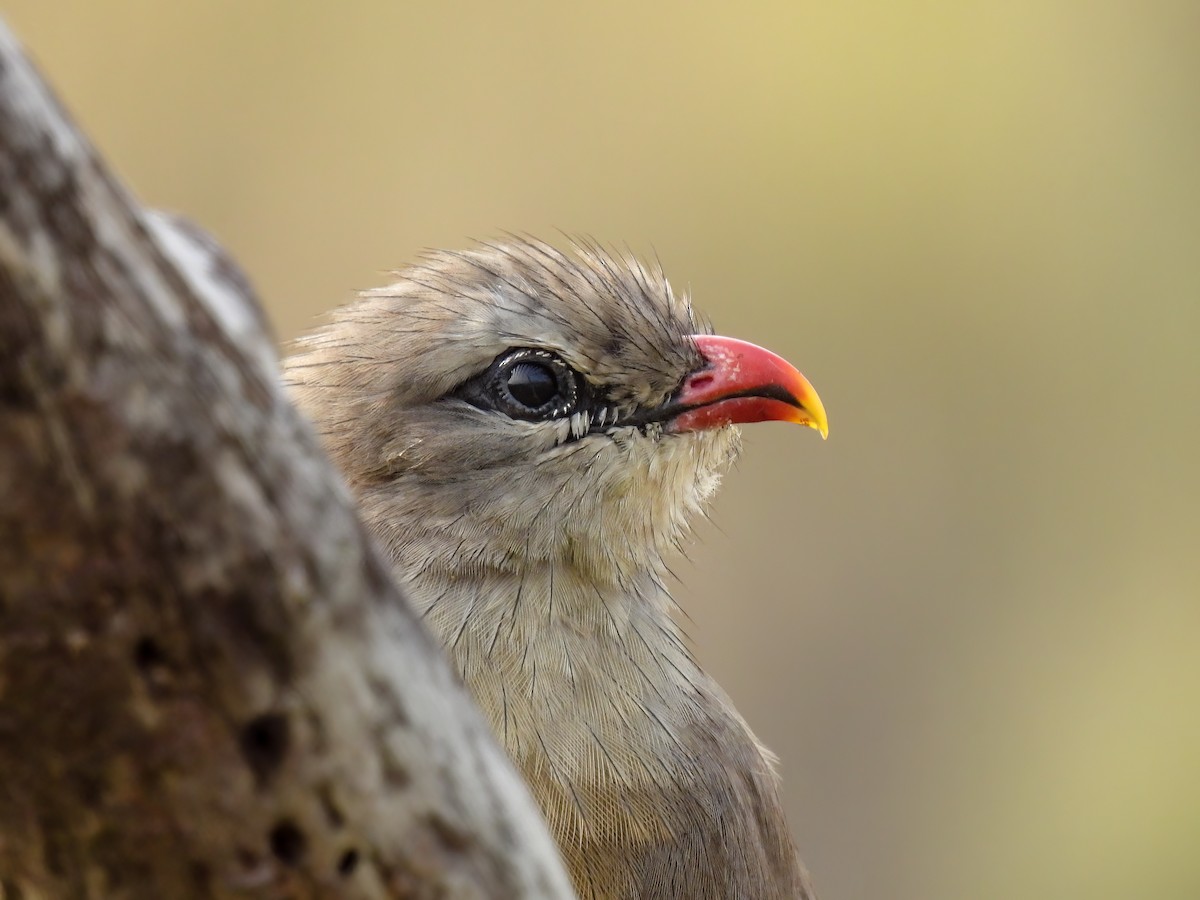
551,646
630,749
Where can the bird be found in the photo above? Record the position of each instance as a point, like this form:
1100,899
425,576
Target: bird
530,432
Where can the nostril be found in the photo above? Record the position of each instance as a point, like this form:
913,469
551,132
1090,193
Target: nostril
699,381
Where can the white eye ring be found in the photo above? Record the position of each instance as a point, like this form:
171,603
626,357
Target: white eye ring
547,387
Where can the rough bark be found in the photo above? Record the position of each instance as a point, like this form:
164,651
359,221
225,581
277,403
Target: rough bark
209,685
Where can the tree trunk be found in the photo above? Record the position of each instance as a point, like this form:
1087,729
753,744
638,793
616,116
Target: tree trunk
209,685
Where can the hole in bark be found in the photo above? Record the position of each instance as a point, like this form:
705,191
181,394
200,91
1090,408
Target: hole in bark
17,396
201,877
452,836
265,743
394,772
348,863
148,655
90,787
288,843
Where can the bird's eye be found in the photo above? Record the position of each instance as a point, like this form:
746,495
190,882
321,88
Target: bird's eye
532,384
527,384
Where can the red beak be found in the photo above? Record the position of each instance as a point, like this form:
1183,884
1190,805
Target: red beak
744,383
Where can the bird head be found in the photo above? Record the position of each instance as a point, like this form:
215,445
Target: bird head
515,403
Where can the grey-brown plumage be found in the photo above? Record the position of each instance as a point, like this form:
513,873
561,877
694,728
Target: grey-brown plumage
534,547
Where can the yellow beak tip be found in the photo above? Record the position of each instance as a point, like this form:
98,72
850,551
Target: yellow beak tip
813,415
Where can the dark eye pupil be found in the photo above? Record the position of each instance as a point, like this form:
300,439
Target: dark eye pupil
531,384
528,384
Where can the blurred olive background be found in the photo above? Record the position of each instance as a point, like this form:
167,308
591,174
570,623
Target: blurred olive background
967,623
